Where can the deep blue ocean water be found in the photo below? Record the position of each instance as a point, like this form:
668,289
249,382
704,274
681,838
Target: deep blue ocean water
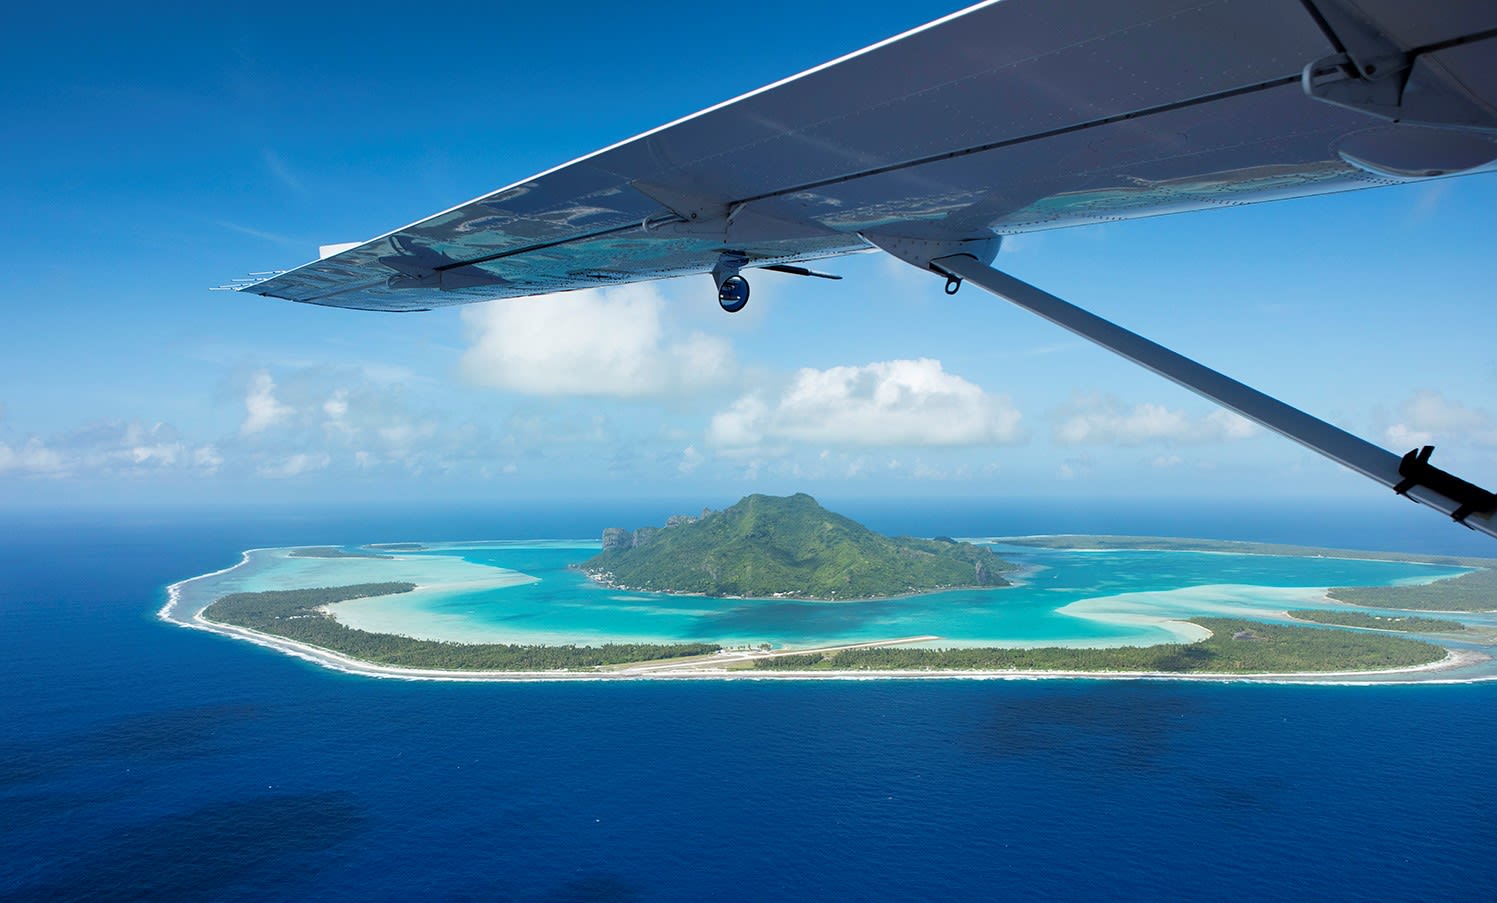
140,760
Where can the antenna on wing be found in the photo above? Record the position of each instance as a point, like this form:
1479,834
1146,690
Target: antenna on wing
243,282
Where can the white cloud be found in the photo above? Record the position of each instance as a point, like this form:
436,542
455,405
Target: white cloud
262,410
889,403
405,435
691,459
165,454
741,425
33,459
600,342
294,465
358,424
110,449
1104,420
1427,415
207,459
337,405
1224,424
1401,436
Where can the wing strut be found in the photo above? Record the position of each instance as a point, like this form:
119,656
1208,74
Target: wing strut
1409,475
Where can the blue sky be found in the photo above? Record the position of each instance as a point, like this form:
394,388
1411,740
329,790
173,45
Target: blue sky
149,156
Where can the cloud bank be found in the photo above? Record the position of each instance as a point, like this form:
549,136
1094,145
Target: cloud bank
261,408
609,342
1428,415
886,403
116,449
1104,420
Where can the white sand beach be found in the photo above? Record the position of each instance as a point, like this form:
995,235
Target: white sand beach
1434,672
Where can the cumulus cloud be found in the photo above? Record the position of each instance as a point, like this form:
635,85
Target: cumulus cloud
1400,435
261,409
337,405
1428,414
887,403
357,423
207,459
294,465
281,423
610,342
32,458
111,448
1104,420
741,425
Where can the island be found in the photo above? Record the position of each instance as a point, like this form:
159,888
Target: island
1476,591
302,616
786,547
1233,647
769,562
331,552
1399,623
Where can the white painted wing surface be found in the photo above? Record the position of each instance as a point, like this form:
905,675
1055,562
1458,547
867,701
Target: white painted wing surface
1008,117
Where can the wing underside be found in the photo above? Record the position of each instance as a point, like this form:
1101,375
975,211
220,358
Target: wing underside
1008,117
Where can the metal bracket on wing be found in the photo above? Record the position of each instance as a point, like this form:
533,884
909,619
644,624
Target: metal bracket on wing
1412,477
923,252
1373,74
734,223
1417,471
798,270
417,266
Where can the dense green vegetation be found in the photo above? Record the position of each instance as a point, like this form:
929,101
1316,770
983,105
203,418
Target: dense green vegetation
1405,623
1174,544
1234,647
330,552
294,614
1476,591
766,546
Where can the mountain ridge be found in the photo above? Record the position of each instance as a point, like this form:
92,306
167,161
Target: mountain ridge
786,547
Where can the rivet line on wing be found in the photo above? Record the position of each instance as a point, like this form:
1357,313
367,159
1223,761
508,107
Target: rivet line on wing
1023,139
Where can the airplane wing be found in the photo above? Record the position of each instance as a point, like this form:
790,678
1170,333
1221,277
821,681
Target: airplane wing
1008,117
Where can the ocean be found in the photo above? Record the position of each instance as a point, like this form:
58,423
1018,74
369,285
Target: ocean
139,760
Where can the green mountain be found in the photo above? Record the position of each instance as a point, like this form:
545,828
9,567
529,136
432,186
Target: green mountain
768,546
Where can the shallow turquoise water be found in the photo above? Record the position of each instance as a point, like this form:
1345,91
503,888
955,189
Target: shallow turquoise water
524,592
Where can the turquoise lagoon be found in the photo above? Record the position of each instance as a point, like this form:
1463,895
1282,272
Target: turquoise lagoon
524,592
